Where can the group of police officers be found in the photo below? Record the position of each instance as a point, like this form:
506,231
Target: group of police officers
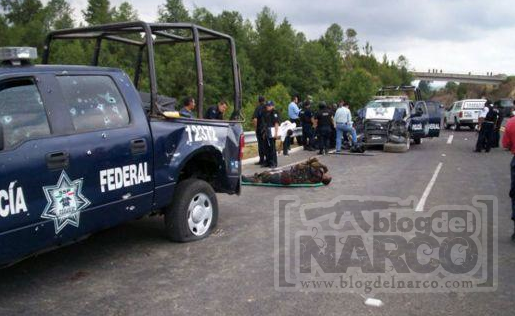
319,128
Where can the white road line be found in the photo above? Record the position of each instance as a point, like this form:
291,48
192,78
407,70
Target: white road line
451,137
427,191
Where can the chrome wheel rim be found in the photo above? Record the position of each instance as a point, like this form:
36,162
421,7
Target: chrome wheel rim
200,214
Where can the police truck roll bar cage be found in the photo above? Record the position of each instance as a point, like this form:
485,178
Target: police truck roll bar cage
385,91
154,34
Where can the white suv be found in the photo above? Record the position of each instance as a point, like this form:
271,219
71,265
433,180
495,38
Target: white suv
464,112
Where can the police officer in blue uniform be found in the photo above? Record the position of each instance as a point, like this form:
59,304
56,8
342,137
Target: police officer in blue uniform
216,112
257,119
324,123
306,119
486,128
271,122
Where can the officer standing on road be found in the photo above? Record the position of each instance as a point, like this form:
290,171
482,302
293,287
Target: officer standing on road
216,112
257,119
324,123
271,122
508,142
188,107
306,119
487,121
293,116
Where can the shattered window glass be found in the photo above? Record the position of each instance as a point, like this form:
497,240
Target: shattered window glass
22,115
94,102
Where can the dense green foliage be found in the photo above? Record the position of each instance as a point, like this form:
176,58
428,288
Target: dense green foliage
275,59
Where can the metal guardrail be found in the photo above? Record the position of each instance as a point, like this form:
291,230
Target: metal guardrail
250,137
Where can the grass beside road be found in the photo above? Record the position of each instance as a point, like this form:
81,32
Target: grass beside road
251,150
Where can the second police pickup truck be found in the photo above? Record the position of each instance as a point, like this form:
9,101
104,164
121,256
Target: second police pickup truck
80,151
392,121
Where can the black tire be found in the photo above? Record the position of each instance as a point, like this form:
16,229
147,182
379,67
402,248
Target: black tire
472,127
417,141
395,148
457,126
177,213
398,148
446,126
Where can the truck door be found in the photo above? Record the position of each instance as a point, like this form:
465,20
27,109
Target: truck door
109,150
419,120
434,112
26,135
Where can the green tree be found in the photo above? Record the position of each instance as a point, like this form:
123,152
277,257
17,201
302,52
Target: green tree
173,11
4,30
281,97
350,45
125,12
58,15
461,91
334,36
21,12
451,87
357,87
98,12
425,89
26,22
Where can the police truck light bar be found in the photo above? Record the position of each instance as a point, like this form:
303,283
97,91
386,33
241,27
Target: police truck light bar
17,55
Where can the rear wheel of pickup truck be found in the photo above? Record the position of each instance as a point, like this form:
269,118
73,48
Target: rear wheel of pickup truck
193,213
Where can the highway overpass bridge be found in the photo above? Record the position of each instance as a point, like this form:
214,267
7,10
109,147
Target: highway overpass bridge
465,78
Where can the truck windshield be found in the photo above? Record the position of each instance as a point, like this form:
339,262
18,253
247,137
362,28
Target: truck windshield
376,104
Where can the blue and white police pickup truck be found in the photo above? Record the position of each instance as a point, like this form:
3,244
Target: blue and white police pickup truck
392,121
81,151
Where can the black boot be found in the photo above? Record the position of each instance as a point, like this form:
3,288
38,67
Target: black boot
513,236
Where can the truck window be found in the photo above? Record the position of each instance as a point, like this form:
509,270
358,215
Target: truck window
22,114
94,102
421,106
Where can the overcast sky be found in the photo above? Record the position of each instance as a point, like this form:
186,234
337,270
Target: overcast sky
453,35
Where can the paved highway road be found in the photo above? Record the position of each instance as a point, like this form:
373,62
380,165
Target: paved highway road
134,270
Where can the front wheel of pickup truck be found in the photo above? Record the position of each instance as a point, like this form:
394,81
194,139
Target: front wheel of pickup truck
397,147
193,213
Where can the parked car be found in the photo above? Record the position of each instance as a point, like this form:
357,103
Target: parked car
463,113
505,106
81,151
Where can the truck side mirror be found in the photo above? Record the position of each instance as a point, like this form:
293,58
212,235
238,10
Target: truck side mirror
1,137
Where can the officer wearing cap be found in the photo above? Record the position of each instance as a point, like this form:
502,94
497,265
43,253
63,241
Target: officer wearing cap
216,112
257,119
271,122
324,122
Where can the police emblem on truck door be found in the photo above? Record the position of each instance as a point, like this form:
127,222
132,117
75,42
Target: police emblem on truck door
65,202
